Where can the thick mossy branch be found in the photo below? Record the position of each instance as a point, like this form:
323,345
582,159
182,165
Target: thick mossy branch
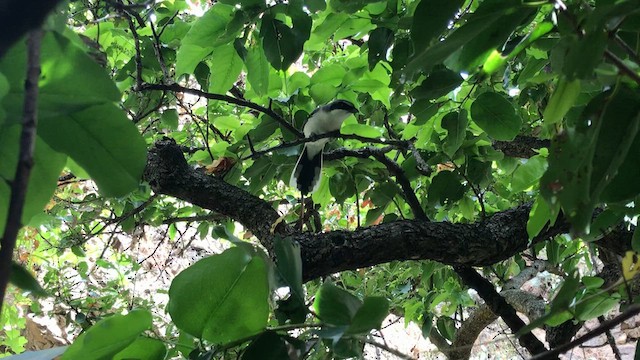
487,242
521,146
477,244
168,173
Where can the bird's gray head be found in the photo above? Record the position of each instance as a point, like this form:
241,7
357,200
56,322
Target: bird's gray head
341,105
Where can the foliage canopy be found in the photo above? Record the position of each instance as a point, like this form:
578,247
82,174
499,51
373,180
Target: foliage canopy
501,135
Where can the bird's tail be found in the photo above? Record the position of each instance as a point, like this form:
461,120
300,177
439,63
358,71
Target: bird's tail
306,174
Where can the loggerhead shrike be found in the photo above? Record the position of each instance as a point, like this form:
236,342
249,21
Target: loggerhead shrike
324,119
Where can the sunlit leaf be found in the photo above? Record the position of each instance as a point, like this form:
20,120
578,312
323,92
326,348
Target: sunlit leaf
232,289
109,336
496,115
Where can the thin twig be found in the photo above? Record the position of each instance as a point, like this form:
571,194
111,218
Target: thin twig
499,306
630,51
622,66
25,160
393,168
611,340
157,47
405,184
138,56
476,191
422,166
387,349
392,144
630,312
226,98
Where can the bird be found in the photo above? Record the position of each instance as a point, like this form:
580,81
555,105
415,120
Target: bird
324,119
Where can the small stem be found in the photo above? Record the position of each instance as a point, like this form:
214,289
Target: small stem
622,66
630,312
25,160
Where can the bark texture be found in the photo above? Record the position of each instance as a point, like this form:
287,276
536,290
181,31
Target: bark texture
497,238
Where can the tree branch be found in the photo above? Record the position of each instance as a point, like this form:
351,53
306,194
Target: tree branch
168,173
480,318
226,98
477,244
25,160
399,144
499,305
499,237
521,146
630,312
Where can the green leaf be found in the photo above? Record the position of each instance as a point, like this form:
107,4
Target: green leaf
341,186
225,69
334,305
63,83
323,30
617,140
268,346
603,224
369,316
624,185
245,3
439,14
567,293
315,5
189,56
507,15
349,6
380,40
557,318
447,327
289,265
283,44
264,129
323,93
445,188
143,348
23,279
232,291
373,215
539,216
48,165
4,86
257,70
456,125
104,142
562,100
169,118
497,60
361,130
496,116
423,110
109,336
205,34
478,172
485,29
528,174
585,158
584,54
439,83
592,282
330,74
594,306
